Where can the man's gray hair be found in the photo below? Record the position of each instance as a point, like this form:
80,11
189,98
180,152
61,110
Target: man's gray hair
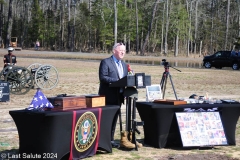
117,44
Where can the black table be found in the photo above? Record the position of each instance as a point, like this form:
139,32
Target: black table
50,131
161,128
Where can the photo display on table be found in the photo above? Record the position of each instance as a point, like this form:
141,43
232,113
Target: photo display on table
201,129
153,92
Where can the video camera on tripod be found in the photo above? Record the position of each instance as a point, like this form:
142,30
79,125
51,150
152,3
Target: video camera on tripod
165,76
165,63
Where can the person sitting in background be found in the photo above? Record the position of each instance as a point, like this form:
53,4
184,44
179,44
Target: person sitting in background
37,45
9,59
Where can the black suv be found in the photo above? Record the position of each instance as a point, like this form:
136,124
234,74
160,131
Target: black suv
222,59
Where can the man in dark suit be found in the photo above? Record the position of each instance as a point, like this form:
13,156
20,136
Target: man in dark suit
108,73
111,70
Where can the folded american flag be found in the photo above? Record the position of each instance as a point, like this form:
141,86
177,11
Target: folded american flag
40,101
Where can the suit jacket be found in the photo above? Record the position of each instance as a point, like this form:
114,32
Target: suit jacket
108,73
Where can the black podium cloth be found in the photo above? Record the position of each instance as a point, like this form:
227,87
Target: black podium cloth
161,128
50,131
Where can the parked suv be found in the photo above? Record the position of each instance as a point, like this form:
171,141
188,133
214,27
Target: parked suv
222,59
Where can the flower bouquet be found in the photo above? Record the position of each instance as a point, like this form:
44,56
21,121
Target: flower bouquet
130,71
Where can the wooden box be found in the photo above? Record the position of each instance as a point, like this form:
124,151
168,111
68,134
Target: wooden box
172,102
68,102
95,101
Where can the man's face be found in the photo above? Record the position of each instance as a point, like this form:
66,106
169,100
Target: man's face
10,52
119,51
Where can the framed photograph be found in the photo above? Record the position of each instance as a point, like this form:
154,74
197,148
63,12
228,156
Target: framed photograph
201,129
153,92
140,80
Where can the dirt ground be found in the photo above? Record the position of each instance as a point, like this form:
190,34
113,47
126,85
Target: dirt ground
80,77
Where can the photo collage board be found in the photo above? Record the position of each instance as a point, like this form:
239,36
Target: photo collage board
201,129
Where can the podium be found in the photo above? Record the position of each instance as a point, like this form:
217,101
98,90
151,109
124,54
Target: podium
133,80
131,83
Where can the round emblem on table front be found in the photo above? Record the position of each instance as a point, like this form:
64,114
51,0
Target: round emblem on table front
85,131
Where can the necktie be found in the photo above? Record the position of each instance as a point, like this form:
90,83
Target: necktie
120,69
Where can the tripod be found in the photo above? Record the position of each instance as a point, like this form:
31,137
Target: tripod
165,76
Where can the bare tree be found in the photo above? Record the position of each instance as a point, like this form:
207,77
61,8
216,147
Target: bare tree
26,19
137,37
212,20
196,27
166,30
115,21
227,24
69,25
154,43
162,31
90,29
238,2
125,35
61,26
190,28
150,27
177,35
10,22
1,24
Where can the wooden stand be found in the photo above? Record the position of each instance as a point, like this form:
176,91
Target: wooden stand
171,102
95,101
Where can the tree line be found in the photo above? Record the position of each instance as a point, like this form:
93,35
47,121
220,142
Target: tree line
147,27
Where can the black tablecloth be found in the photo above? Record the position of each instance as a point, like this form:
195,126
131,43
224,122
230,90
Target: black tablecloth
50,131
160,124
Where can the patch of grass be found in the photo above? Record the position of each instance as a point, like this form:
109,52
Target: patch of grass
135,155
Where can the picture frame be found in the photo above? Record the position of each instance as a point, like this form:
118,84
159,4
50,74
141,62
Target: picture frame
140,80
201,129
153,92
